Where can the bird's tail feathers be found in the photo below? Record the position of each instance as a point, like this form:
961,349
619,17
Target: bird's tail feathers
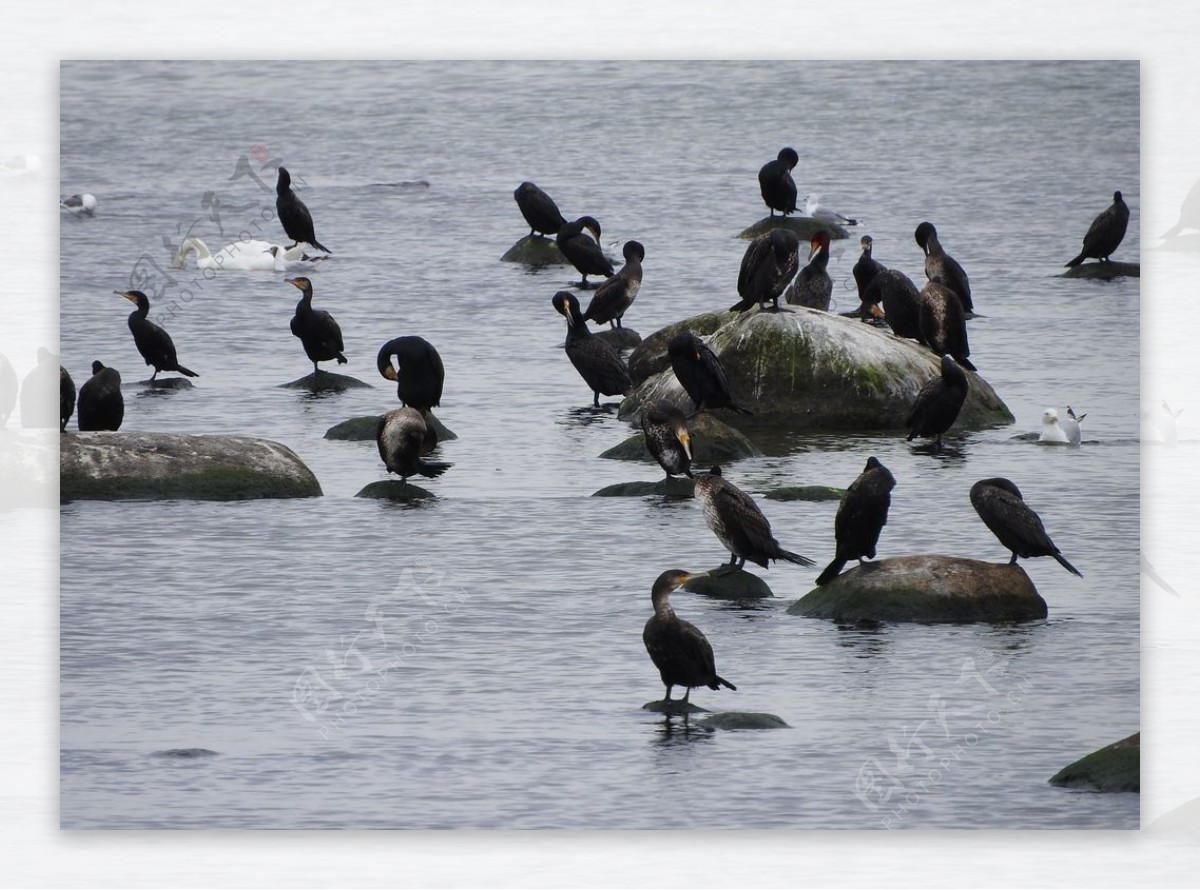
185,372
431,469
319,246
1062,561
795,558
1075,262
342,359
721,681
831,571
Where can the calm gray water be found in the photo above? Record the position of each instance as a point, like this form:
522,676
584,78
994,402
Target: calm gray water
477,661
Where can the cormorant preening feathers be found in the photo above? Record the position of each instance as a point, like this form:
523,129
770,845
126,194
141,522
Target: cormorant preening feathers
539,209
861,516
579,242
943,325
700,373
101,405
154,344
293,214
667,437
598,363
776,183
943,268
615,295
999,504
316,328
769,263
418,372
901,302
1105,233
739,524
403,439
678,649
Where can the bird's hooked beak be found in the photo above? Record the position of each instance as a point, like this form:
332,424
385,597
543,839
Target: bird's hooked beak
816,247
686,441
295,282
121,293
689,576
390,372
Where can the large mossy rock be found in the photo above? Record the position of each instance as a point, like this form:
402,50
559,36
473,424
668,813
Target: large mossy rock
1104,271
809,370
534,250
118,466
650,356
804,227
927,589
362,429
713,442
1115,767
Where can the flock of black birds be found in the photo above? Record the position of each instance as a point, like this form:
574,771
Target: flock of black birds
935,316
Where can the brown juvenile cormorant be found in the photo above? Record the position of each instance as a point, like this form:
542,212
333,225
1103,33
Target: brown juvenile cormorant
615,295
667,437
866,269
154,344
700,373
861,516
579,242
813,287
294,216
943,326
1105,233
1000,505
678,649
539,209
403,440
66,397
101,405
738,523
320,334
769,263
598,363
901,302
776,183
943,268
938,403
418,372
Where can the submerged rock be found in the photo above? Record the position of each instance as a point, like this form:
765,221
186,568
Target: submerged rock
534,250
674,487
674,707
713,442
362,429
805,493
804,227
806,369
1104,271
395,490
1115,767
927,589
743,720
326,381
619,338
117,466
729,584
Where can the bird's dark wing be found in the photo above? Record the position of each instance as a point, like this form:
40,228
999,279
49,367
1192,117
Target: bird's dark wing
1013,521
713,368
600,365
331,332
744,522
753,259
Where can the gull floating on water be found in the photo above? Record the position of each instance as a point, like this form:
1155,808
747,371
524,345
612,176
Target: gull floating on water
1058,430
80,205
246,256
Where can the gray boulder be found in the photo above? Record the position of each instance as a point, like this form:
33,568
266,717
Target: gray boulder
1104,271
126,465
1115,767
743,720
805,493
804,227
674,487
729,584
650,357
534,250
713,442
619,338
395,490
362,429
326,381
807,369
675,707
927,589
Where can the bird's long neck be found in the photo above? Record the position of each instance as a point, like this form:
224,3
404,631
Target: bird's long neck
662,604
142,310
305,304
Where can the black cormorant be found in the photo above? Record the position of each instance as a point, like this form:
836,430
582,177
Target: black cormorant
700,373
539,209
320,334
678,649
404,440
615,295
598,363
101,405
861,516
579,242
938,403
667,437
769,263
66,399
294,216
738,523
866,268
943,268
1000,505
1105,233
776,183
943,326
813,287
154,344
901,302
418,372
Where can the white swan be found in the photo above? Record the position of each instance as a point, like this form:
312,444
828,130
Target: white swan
80,205
245,256
1056,431
814,210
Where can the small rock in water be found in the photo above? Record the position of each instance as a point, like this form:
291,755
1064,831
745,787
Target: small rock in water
1104,271
744,720
1116,767
713,442
362,429
620,338
395,490
326,381
804,227
169,384
805,493
675,487
727,583
534,250
674,707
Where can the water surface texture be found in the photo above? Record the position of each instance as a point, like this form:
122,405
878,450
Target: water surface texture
477,661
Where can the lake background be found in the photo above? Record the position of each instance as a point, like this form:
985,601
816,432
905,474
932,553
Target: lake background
188,625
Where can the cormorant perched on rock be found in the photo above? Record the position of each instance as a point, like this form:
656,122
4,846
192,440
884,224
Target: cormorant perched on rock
678,649
861,516
101,405
404,439
1000,505
1105,233
615,295
539,209
938,403
738,523
769,263
154,344
418,372
700,373
901,302
667,438
316,328
943,326
866,268
597,362
66,398
943,268
813,287
294,215
776,183
579,242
